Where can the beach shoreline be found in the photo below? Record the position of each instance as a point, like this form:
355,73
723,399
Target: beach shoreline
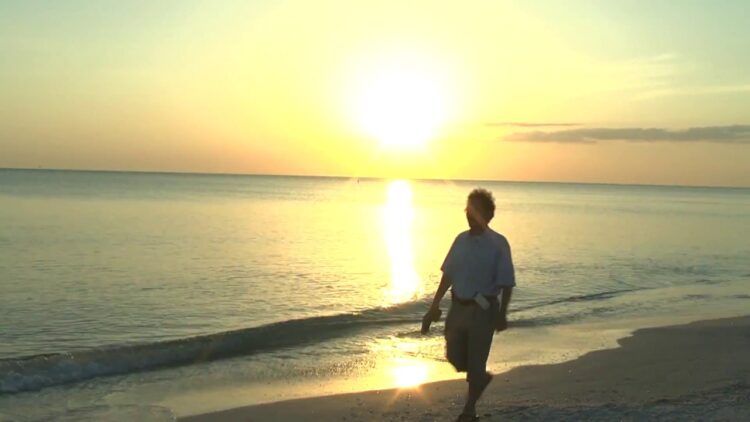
695,371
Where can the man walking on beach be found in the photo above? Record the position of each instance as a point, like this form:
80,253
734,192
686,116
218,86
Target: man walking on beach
479,269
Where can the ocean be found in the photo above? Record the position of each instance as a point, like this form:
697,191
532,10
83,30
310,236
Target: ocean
145,296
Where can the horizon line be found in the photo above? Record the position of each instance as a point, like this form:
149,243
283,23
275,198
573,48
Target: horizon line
199,173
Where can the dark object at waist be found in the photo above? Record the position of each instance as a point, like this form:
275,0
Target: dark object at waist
491,299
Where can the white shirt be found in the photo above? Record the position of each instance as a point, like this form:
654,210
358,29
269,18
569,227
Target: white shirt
479,263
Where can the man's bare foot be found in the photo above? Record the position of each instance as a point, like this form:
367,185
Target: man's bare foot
467,417
475,392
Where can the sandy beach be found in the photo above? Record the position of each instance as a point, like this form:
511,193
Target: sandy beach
698,371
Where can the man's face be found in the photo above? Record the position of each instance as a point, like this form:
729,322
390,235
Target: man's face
474,216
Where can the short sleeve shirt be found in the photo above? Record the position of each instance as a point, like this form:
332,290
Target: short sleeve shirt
479,264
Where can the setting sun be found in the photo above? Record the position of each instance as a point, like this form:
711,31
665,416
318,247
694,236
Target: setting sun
401,105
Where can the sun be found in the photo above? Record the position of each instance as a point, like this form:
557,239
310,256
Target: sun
402,105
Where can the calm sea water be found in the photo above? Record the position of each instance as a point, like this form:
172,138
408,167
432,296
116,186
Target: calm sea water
135,295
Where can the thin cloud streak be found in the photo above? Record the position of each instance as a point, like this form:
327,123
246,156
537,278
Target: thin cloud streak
733,134
695,90
529,124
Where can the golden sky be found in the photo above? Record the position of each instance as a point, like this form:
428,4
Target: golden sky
587,91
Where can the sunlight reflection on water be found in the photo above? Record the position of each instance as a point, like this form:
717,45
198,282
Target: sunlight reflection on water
398,215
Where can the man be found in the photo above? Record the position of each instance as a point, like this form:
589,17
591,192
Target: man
479,269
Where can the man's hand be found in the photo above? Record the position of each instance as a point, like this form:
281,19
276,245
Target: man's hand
432,315
501,322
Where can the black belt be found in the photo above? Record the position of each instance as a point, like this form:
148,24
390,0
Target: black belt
491,299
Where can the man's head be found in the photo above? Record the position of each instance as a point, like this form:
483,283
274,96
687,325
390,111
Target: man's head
480,208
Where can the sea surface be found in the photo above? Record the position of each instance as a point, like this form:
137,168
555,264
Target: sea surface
145,296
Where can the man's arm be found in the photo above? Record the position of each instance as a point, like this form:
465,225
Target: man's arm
445,283
506,280
501,321
433,314
505,300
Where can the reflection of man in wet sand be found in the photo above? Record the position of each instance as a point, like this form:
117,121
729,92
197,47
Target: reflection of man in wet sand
479,269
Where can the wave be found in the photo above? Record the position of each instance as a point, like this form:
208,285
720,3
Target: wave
30,373
584,298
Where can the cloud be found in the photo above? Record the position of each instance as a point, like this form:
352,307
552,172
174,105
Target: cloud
529,124
734,134
694,90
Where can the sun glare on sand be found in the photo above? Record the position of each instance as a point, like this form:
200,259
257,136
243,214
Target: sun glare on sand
402,105
408,374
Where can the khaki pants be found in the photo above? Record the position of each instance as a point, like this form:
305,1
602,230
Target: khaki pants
468,337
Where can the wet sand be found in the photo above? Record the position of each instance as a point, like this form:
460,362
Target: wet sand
698,371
